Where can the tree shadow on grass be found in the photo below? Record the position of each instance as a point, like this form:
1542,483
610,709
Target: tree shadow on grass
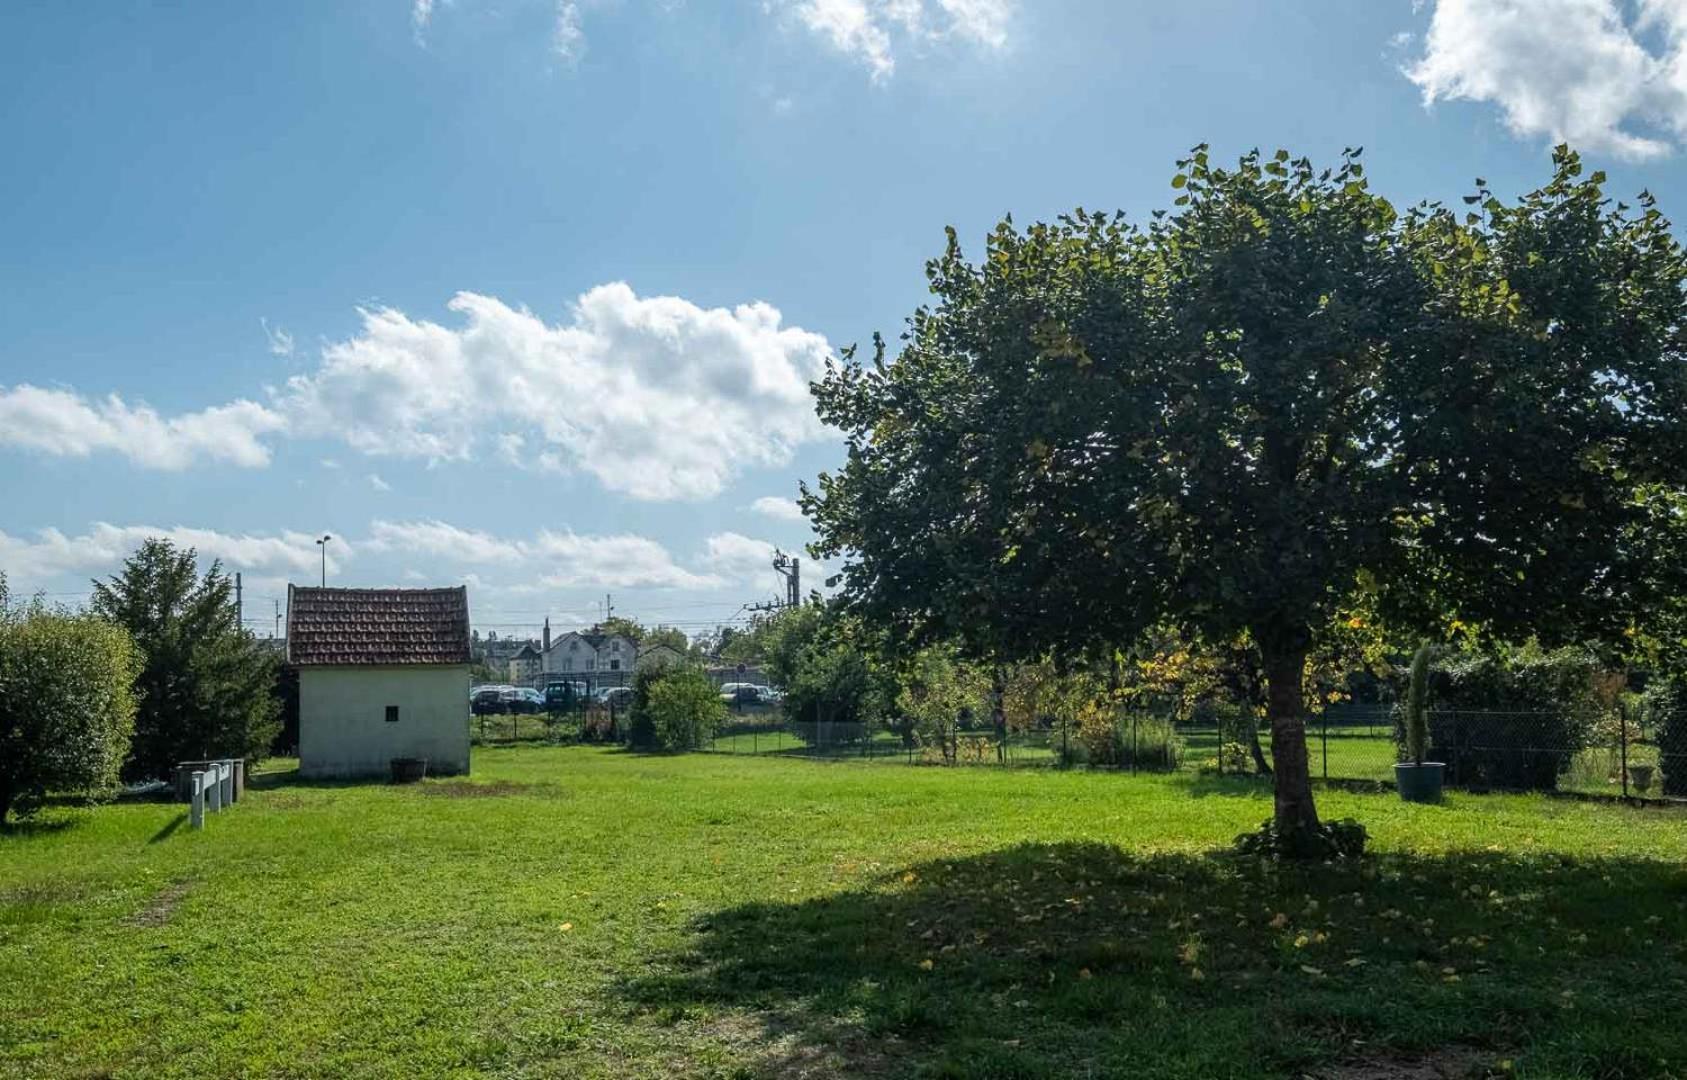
1085,960
24,827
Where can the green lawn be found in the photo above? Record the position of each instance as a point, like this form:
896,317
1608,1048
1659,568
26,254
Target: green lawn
589,912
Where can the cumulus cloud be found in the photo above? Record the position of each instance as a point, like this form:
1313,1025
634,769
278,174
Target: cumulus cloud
104,546
65,423
654,396
1603,75
739,558
870,31
558,559
778,509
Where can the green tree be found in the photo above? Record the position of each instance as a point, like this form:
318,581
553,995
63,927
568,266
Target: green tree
935,689
67,707
1278,394
674,708
204,688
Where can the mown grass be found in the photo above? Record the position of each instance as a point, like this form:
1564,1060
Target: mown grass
589,912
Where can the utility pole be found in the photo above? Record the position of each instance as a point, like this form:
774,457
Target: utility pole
277,631
608,607
239,603
788,568
323,544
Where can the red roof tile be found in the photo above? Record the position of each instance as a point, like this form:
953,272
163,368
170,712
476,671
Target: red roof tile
377,626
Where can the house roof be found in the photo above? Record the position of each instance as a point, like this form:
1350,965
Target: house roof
528,652
377,626
595,640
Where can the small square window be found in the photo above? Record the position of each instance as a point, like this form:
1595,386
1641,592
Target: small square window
615,665
392,714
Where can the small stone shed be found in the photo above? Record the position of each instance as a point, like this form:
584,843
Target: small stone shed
383,674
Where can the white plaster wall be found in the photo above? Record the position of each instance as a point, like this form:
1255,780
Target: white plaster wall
343,730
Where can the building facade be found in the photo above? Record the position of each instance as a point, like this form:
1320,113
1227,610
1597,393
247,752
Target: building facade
383,674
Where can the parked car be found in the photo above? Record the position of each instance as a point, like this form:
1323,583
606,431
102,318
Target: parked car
522,699
740,695
615,697
489,700
560,696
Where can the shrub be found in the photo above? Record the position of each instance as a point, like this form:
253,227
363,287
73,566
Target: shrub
1417,707
1344,839
67,706
1513,720
678,709
1127,741
1669,718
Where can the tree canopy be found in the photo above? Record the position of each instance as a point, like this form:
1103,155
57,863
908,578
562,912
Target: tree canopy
1278,399
204,687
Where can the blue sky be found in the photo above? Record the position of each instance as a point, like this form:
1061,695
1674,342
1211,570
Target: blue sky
526,293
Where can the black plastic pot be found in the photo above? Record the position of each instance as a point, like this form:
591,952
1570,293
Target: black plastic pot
1419,783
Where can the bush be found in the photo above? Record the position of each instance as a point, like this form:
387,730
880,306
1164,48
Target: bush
1668,702
67,706
1514,720
1344,839
1127,741
674,708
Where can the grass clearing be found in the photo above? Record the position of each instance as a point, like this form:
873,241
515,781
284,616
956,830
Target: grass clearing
589,912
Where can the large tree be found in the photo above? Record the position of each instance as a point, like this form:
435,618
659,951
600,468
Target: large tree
1279,395
204,687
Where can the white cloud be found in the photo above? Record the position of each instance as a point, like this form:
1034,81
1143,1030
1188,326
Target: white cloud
778,509
1569,70
654,396
568,38
421,14
64,423
870,30
739,558
280,341
103,548
377,483
556,559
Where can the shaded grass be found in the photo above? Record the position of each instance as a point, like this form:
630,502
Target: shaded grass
734,916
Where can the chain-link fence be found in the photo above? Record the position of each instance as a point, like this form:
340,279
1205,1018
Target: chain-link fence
1483,750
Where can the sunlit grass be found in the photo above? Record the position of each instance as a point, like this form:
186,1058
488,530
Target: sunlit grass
588,912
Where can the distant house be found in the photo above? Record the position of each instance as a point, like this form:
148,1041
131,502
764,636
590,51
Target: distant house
383,674
525,664
576,653
658,655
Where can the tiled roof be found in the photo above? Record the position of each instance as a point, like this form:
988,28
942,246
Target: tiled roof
377,626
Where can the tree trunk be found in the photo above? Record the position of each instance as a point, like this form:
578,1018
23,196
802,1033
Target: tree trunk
1285,665
5,801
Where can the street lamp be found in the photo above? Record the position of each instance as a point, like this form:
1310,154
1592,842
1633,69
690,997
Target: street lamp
323,544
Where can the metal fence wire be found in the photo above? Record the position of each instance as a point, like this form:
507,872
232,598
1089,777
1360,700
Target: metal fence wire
1616,755
1483,750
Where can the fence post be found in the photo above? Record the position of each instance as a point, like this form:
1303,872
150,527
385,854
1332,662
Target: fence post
1136,744
213,791
227,794
1622,728
1324,738
196,811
